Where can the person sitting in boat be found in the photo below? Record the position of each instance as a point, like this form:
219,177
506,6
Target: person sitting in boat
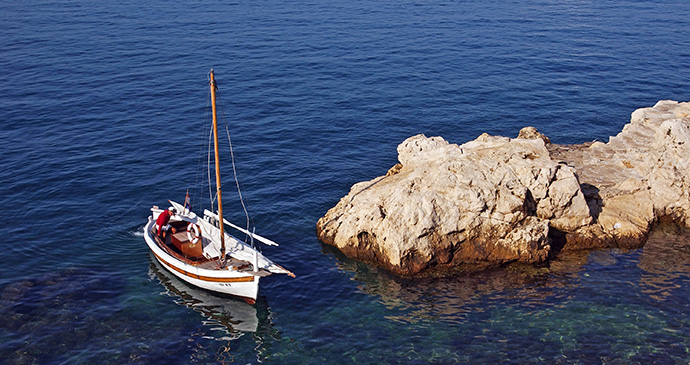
162,222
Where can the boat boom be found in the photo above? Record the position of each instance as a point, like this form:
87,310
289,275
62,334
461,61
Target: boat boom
256,236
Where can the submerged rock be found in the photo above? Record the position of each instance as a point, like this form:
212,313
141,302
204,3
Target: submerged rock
496,200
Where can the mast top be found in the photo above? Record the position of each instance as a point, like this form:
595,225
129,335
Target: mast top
212,80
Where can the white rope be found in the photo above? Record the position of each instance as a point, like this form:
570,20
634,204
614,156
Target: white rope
234,171
208,168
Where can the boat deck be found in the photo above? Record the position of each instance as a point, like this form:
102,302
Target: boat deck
179,246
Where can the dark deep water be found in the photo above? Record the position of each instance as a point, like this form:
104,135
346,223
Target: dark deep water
102,112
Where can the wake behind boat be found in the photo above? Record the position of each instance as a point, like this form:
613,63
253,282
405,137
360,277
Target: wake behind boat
200,252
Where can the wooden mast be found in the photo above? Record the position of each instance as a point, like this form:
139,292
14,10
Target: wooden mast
215,145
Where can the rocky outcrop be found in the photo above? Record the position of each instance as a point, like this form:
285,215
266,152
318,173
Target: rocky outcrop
496,200
639,177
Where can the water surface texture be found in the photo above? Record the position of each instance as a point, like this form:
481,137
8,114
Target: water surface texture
103,112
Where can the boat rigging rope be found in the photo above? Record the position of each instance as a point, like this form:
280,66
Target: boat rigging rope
197,189
208,169
208,143
234,169
237,182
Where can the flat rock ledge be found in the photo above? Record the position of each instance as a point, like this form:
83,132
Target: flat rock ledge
497,200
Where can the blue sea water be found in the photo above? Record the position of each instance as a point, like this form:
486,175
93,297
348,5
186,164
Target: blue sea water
104,111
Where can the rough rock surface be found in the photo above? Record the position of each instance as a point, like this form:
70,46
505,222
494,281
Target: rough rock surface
639,177
496,200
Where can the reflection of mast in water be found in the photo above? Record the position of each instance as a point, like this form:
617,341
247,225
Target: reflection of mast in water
233,315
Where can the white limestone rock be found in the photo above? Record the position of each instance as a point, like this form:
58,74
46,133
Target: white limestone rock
495,199
488,200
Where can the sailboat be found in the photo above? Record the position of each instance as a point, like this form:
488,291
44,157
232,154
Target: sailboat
201,252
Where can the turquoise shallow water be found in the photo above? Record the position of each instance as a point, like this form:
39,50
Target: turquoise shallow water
102,114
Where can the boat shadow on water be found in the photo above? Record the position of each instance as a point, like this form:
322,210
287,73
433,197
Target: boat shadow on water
234,316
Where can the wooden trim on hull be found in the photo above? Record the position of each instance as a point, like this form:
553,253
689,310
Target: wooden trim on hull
243,279
244,287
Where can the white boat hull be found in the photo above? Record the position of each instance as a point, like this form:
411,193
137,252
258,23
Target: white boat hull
236,316
225,281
